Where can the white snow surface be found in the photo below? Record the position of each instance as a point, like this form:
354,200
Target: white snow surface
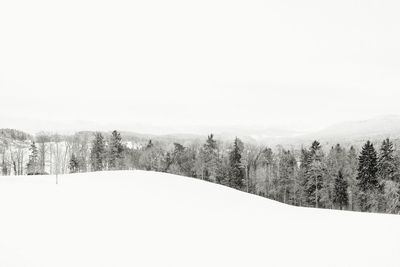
138,218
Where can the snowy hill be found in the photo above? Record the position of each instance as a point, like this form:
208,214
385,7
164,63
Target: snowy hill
136,218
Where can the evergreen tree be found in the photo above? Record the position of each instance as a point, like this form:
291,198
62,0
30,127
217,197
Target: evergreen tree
340,197
236,173
33,163
367,181
175,160
315,179
314,174
98,153
149,144
388,177
188,160
316,151
335,161
367,169
181,161
286,172
168,162
387,168
115,152
73,164
223,170
209,159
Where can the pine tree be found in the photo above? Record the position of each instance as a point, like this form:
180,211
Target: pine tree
340,197
33,163
182,160
286,171
314,173
98,152
115,153
315,179
236,173
149,144
266,161
316,151
209,159
336,160
367,181
73,164
168,162
388,176
367,169
387,168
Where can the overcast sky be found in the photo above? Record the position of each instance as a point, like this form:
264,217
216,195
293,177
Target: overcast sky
300,64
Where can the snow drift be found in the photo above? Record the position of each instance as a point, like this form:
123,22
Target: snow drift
136,218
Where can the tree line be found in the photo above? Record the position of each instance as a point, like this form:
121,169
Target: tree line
336,178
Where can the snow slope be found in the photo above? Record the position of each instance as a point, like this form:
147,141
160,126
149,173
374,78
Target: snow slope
136,218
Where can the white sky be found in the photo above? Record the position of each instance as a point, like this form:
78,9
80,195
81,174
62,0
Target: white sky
301,64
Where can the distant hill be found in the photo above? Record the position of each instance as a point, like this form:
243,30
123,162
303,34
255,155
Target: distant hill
351,132
379,127
15,135
14,138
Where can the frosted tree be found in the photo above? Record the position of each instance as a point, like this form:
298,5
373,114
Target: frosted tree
315,178
115,151
388,175
367,177
286,172
98,153
314,172
73,164
209,159
340,196
387,166
236,173
33,163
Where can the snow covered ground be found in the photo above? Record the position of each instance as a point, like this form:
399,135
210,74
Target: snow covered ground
136,218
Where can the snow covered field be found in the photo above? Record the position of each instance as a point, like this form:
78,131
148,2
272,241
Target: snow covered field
136,218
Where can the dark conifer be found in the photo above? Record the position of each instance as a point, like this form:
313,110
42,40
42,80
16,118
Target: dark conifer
367,168
98,153
314,185
340,196
367,181
387,169
315,151
33,163
149,144
73,164
209,158
115,152
236,169
313,173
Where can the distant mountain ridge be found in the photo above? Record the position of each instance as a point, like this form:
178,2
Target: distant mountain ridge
388,126
376,128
